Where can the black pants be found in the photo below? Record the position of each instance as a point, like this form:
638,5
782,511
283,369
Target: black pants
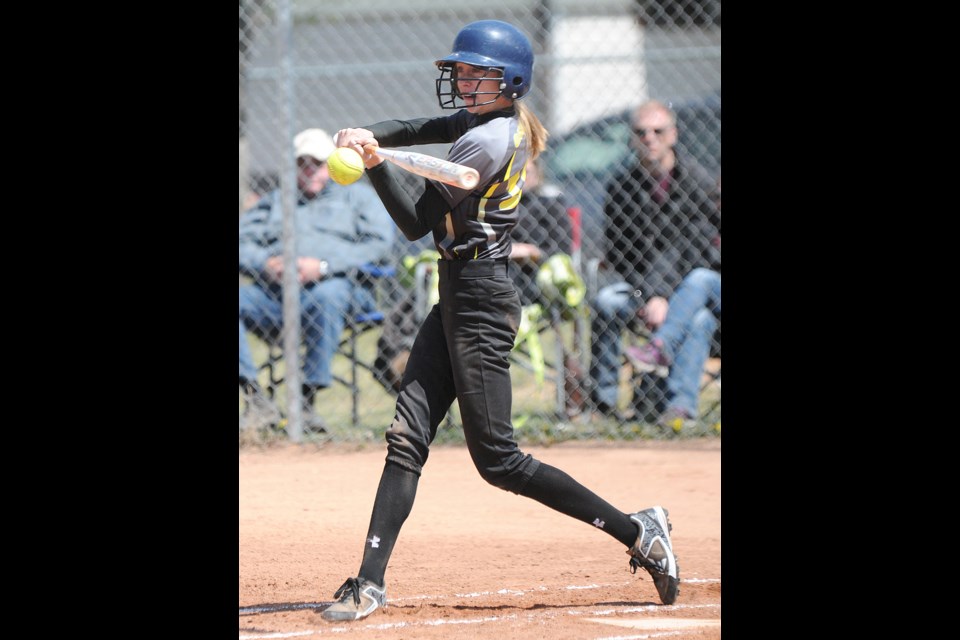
462,351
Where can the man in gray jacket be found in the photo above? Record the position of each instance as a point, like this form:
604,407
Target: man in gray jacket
338,228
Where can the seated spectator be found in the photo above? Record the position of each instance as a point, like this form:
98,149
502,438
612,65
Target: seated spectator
337,229
661,224
679,348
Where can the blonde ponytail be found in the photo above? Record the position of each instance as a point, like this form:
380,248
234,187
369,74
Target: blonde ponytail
537,134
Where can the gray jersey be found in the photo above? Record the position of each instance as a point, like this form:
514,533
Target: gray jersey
478,223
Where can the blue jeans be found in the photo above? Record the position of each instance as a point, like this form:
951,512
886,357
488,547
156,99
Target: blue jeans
324,308
614,306
686,334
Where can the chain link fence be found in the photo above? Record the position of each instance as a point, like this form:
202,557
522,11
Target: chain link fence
331,65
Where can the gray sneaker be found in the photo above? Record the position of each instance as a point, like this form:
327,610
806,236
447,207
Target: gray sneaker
312,422
260,412
654,552
358,598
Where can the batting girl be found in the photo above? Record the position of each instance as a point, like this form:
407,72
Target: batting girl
461,351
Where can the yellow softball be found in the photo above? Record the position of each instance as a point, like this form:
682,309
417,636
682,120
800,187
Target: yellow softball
346,165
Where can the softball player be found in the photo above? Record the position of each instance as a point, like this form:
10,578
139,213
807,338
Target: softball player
461,351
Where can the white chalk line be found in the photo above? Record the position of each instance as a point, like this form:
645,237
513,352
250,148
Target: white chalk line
650,608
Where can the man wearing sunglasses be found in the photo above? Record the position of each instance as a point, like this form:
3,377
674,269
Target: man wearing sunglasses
660,224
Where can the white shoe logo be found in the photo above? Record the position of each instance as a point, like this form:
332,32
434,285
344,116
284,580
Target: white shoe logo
374,542
598,523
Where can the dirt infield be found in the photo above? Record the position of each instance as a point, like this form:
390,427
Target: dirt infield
474,561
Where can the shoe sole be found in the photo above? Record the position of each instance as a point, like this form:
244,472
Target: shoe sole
345,617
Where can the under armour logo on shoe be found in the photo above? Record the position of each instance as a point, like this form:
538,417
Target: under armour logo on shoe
598,523
374,542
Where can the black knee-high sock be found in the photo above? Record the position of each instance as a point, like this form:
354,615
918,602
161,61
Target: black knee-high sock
557,490
398,488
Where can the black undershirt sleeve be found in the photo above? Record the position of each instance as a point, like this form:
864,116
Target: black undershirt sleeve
414,220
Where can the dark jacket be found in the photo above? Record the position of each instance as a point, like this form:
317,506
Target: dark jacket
653,246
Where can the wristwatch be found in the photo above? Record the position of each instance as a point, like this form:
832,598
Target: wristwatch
324,269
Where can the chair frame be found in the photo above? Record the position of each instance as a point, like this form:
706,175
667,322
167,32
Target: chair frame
355,326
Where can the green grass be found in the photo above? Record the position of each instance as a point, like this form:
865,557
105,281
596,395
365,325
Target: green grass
534,405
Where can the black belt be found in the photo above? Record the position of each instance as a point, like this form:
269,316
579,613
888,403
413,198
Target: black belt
476,268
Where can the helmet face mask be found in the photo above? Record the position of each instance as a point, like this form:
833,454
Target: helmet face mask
451,96
495,46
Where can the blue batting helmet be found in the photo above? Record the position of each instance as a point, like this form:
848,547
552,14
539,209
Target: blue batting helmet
489,44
